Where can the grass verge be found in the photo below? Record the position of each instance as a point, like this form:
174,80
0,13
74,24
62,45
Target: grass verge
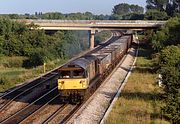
139,102
9,77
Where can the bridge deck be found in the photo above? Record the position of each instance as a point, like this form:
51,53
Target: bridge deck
93,24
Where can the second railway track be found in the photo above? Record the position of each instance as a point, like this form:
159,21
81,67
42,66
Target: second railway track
31,108
52,109
24,90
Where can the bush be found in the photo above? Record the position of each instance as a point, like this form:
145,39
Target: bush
4,83
35,59
169,62
14,61
156,15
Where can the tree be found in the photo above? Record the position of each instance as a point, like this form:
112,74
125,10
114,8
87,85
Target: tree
121,9
124,8
88,16
133,16
171,7
154,14
136,9
168,35
157,4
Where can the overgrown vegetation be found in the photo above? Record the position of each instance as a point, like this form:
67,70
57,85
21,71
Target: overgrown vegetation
165,43
169,68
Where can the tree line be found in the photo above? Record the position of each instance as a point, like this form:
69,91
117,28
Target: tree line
166,45
20,40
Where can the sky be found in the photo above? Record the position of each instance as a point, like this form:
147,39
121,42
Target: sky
63,6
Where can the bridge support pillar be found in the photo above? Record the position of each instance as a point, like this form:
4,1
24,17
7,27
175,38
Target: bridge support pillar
91,38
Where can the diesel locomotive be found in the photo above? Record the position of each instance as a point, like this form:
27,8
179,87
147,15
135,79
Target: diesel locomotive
82,76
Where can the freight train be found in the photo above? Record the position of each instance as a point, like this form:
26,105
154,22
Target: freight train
81,77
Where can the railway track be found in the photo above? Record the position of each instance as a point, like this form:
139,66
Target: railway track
45,111
60,113
48,107
31,108
23,90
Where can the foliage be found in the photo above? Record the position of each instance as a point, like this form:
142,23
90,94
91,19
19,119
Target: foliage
169,62
156,4
124,8
58,15
10,62
171,7
19,40
156,15
115,17
168,35
127,12
102,36
133,16
170,56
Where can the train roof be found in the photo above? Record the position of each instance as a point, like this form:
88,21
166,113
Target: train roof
82,62
100,55
77,63
89,57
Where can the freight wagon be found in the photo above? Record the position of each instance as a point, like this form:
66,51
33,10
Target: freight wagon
82,76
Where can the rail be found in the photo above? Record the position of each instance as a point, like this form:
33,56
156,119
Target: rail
21,114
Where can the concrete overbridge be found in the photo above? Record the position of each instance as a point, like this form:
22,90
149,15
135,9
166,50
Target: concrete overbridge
94,25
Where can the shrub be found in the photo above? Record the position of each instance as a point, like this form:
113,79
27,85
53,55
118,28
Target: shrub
169,62
15,61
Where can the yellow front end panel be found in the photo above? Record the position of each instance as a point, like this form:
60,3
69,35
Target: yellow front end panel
72,84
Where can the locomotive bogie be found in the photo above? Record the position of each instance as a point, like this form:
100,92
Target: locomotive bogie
72,96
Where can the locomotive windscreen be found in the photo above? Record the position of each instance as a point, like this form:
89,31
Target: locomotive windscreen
72,73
